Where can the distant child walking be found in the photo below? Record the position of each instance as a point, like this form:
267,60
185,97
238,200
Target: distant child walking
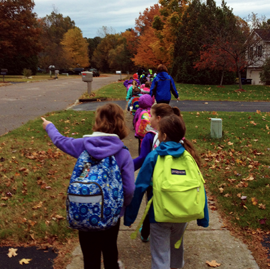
165,235
109,129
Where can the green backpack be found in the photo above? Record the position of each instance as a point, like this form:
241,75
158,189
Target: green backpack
178,189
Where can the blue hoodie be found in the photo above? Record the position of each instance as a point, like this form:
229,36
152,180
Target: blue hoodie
144,180
99,145
162,86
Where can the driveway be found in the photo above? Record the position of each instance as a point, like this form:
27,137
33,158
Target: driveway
22,102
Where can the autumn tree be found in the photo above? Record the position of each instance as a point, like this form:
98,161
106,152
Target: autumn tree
132,41
193,34
75,48
166,25
146,55
101,54
214,58
146,40
54,27
92,45
19,34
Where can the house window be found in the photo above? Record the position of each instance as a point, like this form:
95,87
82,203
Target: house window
260,51
250,53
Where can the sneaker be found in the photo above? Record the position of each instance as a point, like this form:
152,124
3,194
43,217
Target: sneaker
143,239
120,265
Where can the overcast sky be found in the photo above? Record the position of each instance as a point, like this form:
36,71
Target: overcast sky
91,15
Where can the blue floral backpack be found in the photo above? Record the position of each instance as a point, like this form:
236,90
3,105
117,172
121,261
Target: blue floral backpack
95,194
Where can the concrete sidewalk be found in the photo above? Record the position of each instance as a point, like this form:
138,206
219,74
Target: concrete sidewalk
200,244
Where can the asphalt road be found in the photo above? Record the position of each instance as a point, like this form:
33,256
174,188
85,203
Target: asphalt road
195,106
22,102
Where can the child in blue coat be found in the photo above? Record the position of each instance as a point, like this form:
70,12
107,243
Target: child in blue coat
164,235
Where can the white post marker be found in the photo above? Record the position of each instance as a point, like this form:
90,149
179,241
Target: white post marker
216,128
119,72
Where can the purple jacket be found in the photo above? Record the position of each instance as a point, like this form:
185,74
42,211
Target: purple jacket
129,82
99,145
145,102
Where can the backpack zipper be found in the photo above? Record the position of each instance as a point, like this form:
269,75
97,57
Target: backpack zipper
102,194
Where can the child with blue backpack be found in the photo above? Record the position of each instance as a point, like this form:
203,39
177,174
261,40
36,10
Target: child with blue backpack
167,236
109,129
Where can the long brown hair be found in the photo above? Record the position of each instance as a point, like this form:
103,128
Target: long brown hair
110,119
163,110
175,129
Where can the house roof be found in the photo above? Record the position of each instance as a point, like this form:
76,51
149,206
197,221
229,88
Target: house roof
264,34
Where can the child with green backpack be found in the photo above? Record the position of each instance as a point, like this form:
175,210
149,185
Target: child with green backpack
178,193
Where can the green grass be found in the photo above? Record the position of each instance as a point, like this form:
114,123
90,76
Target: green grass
237,165
113,91
34,174
117,91
227,92
34,179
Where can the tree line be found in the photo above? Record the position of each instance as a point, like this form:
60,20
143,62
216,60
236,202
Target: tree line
199,42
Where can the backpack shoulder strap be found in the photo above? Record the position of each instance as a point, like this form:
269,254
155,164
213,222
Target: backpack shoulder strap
124,147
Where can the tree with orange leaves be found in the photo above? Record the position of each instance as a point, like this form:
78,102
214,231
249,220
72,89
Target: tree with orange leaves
166,25
146,39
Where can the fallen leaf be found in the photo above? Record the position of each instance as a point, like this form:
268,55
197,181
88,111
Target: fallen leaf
252,122
254,201
230,143
262,221
221,190
249,178
24,261
12,252
262,206
39,205
59,217
213,263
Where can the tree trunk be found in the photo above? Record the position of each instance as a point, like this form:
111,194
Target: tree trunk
240,81
222,76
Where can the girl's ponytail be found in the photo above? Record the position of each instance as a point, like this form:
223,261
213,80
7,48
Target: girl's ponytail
176,111
190,148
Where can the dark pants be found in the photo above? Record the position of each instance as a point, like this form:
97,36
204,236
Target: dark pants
139,149
93,243
164,102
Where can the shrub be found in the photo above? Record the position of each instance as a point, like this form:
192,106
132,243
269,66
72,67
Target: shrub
27,72
265,74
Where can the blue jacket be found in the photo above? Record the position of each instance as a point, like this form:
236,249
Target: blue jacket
162,86
144,180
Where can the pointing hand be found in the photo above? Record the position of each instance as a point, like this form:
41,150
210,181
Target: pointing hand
45,123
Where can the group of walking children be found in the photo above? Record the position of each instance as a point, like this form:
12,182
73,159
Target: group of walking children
102,187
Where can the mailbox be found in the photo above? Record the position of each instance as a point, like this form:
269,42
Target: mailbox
87,76
4,71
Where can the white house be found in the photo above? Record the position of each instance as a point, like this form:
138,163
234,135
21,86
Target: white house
257,54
